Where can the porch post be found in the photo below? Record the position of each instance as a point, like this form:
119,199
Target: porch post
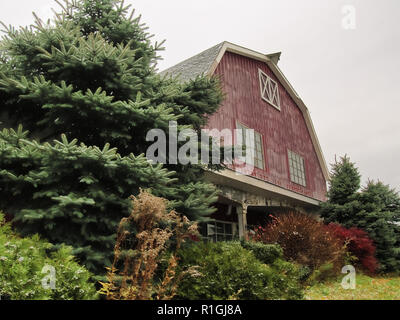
242,220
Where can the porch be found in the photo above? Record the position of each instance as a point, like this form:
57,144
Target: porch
245,203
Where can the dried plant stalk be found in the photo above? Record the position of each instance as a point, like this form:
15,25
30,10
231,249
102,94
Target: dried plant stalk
141,239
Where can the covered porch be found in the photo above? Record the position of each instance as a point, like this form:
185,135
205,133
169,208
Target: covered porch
245,203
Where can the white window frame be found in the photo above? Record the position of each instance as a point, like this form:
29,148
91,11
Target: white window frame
258,147
269,90
213,234
297,168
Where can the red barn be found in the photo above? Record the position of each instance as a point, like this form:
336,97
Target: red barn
290,172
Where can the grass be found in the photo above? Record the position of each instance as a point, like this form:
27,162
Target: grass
367,288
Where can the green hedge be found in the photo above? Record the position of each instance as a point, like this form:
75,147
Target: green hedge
230,271
266,253
21,265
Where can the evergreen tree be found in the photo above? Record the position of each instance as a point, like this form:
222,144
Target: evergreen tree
375,209
72,193
342,204
345,181
380,213
90,76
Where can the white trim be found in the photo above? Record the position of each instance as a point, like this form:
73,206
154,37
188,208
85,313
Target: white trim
250,184
294,159
268,93
240,124
235,229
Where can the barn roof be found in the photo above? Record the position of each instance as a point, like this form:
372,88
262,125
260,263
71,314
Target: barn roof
207,61
195,66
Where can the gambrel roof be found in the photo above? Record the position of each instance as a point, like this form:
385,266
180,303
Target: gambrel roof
207,61
195,66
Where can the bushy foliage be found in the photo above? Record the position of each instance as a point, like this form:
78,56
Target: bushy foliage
229,271
142,240
375,209
359,246
304,240
70,193
266,253
89,75
21,264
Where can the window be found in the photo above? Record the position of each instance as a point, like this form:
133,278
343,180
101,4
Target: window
296,165
255,148
221,231
269,90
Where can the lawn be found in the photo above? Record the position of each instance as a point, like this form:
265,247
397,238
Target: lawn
367,288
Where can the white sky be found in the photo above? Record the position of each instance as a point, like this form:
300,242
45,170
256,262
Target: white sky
349,79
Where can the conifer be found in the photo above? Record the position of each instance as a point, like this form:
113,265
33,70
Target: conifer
85,85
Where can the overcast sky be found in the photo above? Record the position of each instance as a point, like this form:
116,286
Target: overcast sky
348,78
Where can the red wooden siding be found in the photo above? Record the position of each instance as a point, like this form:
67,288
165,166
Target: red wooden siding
281,130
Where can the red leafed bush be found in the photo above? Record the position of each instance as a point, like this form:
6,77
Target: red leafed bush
358,244
304,240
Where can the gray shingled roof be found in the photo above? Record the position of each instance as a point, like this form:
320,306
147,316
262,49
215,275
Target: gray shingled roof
194,66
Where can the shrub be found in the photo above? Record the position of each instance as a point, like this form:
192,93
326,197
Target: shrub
230,271
374,209
321,274
142,241
358,244
304,240
305,273
266,253
22,261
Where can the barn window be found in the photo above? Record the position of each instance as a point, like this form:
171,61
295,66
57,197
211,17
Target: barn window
297,171
269,90
255,147
222,231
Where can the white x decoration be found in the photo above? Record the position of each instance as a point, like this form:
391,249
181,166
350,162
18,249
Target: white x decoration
269,90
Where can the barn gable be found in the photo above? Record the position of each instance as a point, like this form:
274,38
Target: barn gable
207,62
